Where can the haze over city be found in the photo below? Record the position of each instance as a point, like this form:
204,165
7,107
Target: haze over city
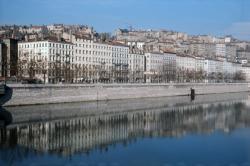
219,18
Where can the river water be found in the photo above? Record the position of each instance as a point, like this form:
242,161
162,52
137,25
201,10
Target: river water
212,130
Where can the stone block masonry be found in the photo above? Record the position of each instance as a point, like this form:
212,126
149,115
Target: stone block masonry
63,93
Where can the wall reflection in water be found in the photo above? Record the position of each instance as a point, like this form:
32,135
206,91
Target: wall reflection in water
98,131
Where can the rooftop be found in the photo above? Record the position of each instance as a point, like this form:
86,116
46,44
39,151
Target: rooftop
46,40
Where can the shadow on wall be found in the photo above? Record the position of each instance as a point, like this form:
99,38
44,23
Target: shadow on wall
5,117
6,96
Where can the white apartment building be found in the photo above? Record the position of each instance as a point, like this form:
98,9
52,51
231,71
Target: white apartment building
84,58
185,68
136,62
119,53
213,66
228,68
100,62
160,66
184,63
199,64
154,66
169,66
119,62
49,61
169,58
154,62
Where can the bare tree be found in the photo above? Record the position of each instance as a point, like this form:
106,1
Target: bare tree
199,75
42,68
20,68
32,67
219,76
239,76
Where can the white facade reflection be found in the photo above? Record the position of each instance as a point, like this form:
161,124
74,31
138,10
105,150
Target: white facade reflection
84,134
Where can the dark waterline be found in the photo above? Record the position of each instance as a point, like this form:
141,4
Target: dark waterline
212,130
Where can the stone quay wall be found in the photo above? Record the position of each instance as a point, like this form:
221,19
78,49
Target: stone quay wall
63,93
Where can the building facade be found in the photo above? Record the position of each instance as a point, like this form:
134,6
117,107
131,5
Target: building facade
83,55
1,60
120,68
226,51
9,57
203,49
48,61
199,64
136,60
99,61
243,55
160,67
185,68
213,66
136,44
169,66
154,67
185,62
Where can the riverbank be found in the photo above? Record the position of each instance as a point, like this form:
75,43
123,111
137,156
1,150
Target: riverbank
61,93
53,112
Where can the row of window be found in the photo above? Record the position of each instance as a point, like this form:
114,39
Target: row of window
88,59
94,46
40,45
120,61
92,52
63,58
154,61
60,52
102,47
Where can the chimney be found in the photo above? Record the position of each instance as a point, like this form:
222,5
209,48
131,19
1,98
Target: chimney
70,37
58,37
26,38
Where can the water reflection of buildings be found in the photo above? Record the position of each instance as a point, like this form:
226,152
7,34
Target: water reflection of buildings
98,131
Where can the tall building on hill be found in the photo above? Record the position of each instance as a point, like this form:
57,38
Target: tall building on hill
1,45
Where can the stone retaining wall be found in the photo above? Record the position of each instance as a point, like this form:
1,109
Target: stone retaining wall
45,94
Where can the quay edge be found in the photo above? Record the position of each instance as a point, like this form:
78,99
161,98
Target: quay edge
65,93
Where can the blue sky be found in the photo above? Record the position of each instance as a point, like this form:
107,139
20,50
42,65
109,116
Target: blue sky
215,17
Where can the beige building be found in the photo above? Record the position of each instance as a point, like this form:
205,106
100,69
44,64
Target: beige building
203,49
226,51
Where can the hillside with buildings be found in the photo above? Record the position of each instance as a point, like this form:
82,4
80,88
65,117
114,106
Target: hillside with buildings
78,54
